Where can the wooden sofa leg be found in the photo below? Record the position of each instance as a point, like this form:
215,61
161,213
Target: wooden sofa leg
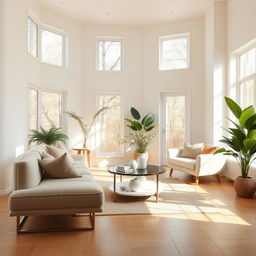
171,171
218,178
196,180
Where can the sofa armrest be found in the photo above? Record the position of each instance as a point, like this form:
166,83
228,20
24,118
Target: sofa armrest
209,164
174,152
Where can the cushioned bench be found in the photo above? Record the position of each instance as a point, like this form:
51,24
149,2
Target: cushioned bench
36,195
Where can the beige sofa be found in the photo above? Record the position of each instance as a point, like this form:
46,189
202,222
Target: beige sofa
203,165
35,195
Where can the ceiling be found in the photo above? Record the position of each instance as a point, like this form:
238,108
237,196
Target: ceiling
128,12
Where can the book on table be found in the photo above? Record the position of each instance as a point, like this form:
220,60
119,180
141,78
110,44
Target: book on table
124,169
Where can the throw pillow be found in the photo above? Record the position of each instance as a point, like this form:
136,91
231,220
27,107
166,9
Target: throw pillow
47,156
55,152
191,151
60,167
208,150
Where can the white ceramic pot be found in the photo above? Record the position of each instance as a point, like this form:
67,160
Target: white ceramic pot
142,160
133,164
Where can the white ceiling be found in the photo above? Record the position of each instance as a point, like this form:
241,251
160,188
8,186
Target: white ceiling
128,12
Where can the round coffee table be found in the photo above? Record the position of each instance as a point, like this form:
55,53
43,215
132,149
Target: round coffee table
150,188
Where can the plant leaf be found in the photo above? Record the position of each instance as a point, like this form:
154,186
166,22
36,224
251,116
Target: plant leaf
137,125
249,144
246,114
132,127
250,122
144,118
232,105
149,120
147,129
220,150
135,113
252,134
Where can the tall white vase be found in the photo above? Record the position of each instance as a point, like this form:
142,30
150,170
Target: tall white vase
142,160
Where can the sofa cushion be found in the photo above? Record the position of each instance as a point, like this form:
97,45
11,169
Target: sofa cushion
55,152
60,167
57,194
191,151
188,163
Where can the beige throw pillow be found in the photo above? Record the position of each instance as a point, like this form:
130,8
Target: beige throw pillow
55,152
191,151
60,167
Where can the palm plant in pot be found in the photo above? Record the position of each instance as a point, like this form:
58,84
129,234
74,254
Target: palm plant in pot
53,136
242,145
141,134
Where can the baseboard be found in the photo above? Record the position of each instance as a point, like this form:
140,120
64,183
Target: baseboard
4,192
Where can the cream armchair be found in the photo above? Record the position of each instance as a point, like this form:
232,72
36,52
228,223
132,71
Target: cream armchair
203,165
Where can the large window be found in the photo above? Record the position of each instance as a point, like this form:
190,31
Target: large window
50,47
174,52
109,55
109,128
247,77
45,109
32,37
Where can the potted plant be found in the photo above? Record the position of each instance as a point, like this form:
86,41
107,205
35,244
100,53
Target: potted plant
50,137
242,145
141,134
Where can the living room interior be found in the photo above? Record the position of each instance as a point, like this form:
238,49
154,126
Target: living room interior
128,127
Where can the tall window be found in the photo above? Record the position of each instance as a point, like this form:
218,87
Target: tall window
45,109
174,52
109,55
32,37
109,128
52,48
247,78
48,46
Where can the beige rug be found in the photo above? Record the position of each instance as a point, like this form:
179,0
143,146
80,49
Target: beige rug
177,197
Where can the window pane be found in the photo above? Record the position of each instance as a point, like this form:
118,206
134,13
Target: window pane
32,38
109,55
175,121
51,109
247,93
33,107
52,45
109,128
247,63
174,53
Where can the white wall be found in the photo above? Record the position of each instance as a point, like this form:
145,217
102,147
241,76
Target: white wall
190,80
18,69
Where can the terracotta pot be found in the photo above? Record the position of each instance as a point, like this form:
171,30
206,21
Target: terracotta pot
245,187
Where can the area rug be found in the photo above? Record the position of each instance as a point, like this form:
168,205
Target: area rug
177,197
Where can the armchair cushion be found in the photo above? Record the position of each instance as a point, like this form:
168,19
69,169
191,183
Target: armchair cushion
188,163
191,151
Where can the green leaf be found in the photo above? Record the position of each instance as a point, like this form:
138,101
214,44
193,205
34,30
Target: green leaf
144,118
149,120
252,134
220,150
135,113
147,129
250,122
246,114
132,127
128,120
238,133
236,110
137,125
249,144
237,125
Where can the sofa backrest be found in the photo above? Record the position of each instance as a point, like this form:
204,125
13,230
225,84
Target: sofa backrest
27,172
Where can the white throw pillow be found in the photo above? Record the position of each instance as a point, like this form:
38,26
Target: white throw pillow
191,151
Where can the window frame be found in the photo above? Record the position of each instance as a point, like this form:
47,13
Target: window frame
245,78
111,39
173,37
40,28
111,154
39,91
37,37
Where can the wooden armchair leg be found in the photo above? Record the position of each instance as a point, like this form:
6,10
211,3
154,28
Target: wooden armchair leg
196,180
218,178
171,171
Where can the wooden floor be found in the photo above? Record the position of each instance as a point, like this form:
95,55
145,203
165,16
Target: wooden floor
231,232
